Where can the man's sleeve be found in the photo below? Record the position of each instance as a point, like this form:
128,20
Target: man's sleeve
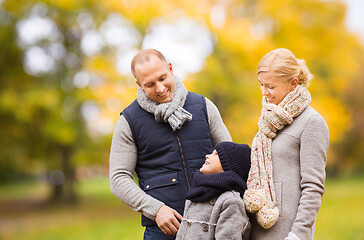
122,162
218,130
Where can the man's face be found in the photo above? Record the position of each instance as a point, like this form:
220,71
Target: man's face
155,78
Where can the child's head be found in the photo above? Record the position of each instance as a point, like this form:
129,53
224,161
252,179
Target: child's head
228,156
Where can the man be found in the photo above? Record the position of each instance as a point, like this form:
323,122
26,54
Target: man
163,136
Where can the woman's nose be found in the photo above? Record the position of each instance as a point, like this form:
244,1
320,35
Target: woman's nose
262,89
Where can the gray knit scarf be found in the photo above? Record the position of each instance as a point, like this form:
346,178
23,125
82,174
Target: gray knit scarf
171,112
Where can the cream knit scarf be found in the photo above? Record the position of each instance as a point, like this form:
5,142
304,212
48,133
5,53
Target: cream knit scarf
171,112
260,197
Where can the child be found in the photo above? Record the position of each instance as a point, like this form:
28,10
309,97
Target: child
214,208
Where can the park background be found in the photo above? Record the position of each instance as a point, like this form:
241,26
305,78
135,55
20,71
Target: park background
65,76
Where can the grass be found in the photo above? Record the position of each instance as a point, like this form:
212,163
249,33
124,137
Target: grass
100,215
342,211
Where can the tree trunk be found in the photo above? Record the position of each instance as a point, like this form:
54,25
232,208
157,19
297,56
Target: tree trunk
64,179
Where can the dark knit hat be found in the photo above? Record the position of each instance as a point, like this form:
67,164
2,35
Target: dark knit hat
234,157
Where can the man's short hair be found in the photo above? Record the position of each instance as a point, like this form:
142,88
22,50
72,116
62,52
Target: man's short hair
144,56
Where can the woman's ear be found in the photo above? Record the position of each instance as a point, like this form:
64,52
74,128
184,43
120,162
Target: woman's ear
294,83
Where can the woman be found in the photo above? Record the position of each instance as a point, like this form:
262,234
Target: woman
286,180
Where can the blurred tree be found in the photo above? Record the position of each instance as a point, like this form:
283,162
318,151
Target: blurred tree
11,75
65,72
315,31
350,151
43,109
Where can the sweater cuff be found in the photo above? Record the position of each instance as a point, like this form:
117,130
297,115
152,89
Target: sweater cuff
292,236
153,208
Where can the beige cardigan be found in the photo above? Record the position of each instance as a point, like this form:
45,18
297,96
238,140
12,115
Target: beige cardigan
299,160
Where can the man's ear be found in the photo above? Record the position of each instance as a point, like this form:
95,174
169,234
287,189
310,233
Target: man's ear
170,67
138,83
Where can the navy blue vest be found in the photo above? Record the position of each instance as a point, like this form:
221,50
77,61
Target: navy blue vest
166,159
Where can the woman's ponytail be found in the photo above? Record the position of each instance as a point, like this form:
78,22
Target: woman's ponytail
304,76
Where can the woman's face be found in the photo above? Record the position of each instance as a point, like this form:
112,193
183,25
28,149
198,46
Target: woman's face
273,89
212,164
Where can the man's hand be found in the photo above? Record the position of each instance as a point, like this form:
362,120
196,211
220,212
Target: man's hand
167,220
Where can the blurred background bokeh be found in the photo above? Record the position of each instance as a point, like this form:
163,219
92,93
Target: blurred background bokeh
65,76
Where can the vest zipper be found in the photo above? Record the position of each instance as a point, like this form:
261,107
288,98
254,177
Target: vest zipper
183,161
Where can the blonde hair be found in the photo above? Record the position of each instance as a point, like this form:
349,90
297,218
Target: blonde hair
283,64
